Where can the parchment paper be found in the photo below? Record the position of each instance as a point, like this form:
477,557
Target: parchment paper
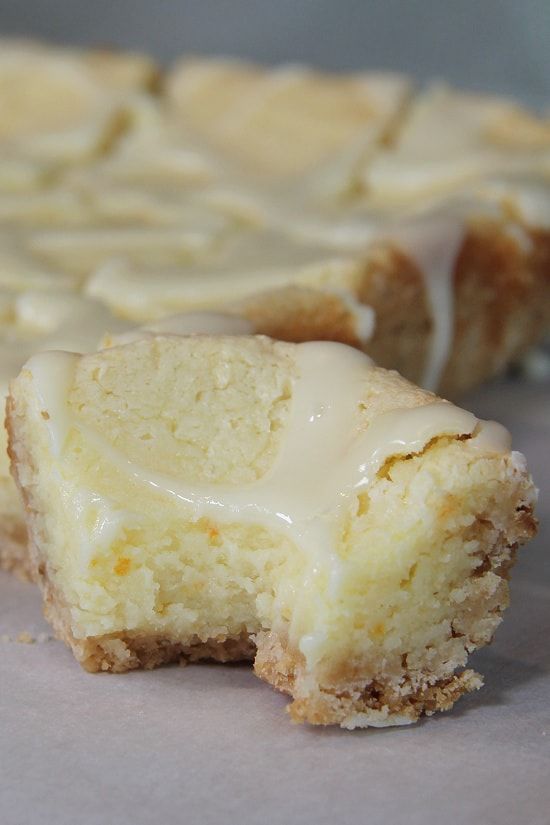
212,744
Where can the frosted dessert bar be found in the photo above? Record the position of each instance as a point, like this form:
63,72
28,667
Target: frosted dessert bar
241,498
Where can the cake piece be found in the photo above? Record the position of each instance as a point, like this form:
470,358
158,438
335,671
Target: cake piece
241,498
450,139
62,105
283,122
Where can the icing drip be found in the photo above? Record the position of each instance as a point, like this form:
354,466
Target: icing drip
363,315
324,458
433,246
52,320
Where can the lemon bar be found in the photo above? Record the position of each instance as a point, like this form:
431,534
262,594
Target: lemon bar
234,497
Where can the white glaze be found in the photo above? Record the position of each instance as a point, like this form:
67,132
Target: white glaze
53,374
258,95
433,245
324,457
364,316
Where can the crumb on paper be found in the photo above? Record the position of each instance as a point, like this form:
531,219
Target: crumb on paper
26,638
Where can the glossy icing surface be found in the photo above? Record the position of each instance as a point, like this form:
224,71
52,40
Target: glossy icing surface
325,455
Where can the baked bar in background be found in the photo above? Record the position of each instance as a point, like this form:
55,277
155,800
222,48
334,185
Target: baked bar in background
413,225
226,180
61,106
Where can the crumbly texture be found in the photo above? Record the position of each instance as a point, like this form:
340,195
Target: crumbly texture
14,553
135,580
14,557
168,422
